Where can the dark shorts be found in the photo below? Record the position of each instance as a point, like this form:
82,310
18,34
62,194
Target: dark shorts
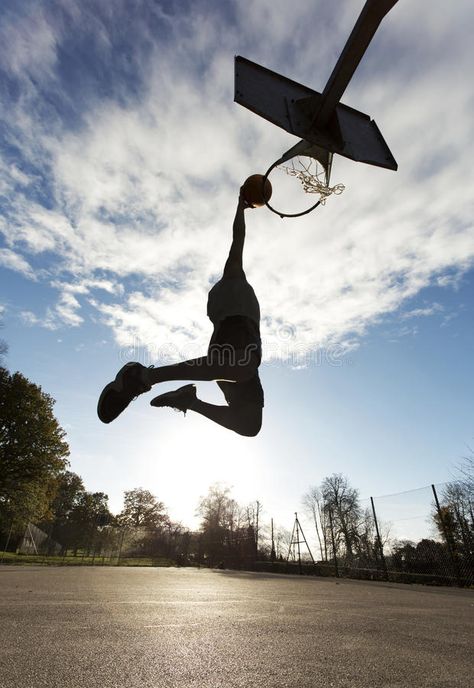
239,333
243,393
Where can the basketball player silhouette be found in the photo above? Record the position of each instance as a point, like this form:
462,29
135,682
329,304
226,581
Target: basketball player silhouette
233,357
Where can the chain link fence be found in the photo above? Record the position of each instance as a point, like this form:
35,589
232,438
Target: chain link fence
424,535
94,543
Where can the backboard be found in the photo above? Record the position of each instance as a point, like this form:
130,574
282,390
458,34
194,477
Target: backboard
290,105
325,125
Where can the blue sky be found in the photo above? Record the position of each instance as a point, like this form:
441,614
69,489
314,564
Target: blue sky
122,155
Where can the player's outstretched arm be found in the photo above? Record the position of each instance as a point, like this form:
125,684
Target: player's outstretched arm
238,229
233,266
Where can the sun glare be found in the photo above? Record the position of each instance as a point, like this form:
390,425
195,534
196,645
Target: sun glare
187,455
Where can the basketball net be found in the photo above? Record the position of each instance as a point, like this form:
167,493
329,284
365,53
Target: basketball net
312,177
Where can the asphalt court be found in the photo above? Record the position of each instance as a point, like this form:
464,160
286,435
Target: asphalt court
153,628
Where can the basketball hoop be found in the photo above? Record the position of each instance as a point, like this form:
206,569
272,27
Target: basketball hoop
313,177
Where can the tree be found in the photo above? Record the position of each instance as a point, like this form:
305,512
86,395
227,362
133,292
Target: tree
147,526
88,517
466,474
228,532
458,497
313,503
218,514
282,543
427,557
69,490
141,509
3,349
455,523
341,503
69,493
33,451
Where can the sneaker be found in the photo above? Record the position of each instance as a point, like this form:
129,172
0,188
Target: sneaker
117,395
180,399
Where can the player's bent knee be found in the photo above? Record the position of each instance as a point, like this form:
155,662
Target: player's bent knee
251,432
250,422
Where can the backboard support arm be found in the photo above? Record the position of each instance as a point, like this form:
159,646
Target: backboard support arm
364,29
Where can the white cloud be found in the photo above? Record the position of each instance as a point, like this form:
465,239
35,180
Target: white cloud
450,280
29,318
65,310
84,286
423,312
147,188
63,313
14,261
28,44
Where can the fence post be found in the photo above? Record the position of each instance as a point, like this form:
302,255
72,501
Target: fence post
7,543
450,544
120,547
379,540
336,567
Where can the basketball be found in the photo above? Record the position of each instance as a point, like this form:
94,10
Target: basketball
255,192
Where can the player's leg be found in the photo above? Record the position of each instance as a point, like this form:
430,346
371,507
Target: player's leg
134,379
246,421
243,419
232,365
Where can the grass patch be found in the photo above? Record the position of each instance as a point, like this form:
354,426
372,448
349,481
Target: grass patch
82,560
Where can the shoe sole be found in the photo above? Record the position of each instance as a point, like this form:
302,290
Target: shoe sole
167,397
117,386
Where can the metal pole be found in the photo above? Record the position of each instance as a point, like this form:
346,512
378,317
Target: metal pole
449,542
379,540
291,543
364,29
298,543
120,546
306,543
333,542
7,543
256,532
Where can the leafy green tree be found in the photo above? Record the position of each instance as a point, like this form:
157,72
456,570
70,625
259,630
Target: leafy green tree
69,492
455,524
217,511
61,526
33,451
142,509
228,531
3,347
86,521
426,557
147,526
